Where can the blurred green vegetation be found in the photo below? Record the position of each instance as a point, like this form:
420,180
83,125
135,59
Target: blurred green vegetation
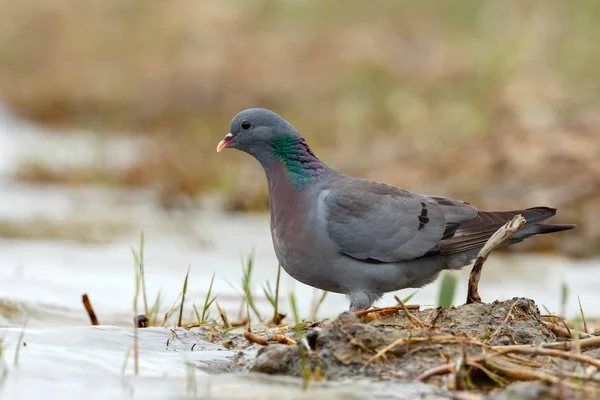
483,100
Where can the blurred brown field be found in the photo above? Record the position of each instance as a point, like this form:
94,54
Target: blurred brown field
493,102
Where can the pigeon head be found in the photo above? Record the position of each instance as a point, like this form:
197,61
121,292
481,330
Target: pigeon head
271,139
254,130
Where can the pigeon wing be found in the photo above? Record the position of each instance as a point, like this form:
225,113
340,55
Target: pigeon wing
377,222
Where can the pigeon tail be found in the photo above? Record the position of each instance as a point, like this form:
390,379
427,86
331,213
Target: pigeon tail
541,229
475,233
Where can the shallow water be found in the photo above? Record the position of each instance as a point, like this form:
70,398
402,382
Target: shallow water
88,233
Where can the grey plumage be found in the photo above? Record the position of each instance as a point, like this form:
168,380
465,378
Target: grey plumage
359,237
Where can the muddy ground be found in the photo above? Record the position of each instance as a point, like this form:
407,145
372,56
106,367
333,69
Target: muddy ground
462,351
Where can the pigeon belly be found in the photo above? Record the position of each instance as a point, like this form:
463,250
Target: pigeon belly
298,247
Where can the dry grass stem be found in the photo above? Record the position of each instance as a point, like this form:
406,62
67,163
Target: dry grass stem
256,338
585,325
561,332
164,321
411,318
279,338
564,345
241,322
318,304
433,339
392,308
226,324
537,351
508,315
435,316
558,330
197,314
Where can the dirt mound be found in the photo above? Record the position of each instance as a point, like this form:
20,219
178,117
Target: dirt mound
481,347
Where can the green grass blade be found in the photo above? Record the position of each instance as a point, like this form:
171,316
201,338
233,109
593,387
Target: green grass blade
247,268
142,267
564,296
409,297
185,283
207,301
447,290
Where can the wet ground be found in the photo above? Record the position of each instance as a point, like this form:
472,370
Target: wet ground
57,243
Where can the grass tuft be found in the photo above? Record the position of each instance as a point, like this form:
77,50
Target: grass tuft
208,302
184,291
247,268
153,314
273,296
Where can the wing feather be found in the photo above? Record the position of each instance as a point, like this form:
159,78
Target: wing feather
373,221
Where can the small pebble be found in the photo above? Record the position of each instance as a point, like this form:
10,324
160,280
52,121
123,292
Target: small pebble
141,321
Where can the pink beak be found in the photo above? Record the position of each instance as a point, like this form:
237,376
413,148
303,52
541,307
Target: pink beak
223,144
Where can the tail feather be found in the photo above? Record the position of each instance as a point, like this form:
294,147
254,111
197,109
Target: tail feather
540,229
476,232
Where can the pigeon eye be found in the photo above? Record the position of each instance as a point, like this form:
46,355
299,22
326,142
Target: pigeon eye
246,125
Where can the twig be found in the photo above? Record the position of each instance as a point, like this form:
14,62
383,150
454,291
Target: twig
493,376
496,240
256,338
440,370
503,322
519,373
436,339
354,342
511,371
585,326
540,351
413,319
391,308
557,328
279,338
240,322
565,346
435,316
90,310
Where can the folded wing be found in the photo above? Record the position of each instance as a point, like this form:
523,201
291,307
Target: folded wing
376,222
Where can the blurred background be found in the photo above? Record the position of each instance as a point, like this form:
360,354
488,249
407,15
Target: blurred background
111,112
